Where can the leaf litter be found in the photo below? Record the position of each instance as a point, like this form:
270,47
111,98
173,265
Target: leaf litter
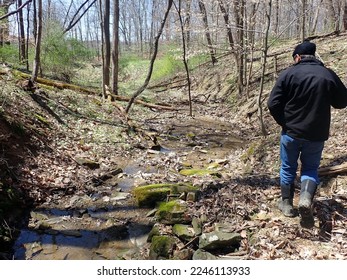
244,198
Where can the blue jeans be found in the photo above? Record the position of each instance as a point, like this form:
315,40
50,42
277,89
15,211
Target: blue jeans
308,152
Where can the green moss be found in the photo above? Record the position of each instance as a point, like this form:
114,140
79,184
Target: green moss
154,232
150,195
191,135
199,172
42,119
184,232
161,247
170,206
213,165
173,212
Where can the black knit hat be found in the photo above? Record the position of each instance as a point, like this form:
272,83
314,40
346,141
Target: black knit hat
305,48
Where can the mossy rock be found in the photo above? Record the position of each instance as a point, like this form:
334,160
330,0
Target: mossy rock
199,172
184,232
150,195
161,247
155,231
183,188
173,212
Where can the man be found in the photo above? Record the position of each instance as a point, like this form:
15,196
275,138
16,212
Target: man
300,103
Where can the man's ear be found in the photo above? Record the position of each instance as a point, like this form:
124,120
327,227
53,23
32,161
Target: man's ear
297,58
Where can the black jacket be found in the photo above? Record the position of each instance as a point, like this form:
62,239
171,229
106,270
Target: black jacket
301,98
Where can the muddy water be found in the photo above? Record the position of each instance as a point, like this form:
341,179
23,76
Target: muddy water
105,224
102,225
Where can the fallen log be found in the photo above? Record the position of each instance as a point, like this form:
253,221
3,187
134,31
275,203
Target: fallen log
333,170
61,85
56,84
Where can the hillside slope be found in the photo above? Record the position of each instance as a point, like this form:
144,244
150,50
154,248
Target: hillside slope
48,138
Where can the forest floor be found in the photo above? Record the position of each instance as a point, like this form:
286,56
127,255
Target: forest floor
44,134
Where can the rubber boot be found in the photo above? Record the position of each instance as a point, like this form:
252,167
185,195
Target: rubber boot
285,203
307,192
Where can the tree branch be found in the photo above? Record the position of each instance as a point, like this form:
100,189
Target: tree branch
155,52
73,22
16,11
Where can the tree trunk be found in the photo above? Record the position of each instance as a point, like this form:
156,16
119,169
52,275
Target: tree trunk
303,18
38,38
150,70
207,32
185,62
187,23
27,39
251,39
227,24
239,19
277,15
315,20
264,57
231,42
151,35
106,45
344,20
21,38
115,58
333,15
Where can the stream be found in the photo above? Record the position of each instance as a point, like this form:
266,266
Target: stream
104,225
104,222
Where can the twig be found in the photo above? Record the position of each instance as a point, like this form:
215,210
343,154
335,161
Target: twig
190,242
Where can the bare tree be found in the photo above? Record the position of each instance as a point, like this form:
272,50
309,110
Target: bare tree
251,42
38,39
268,11
316,16
155,52
239,14
21,37
106,45
303,19
276,16
151,35
207,31
187,23
76,17
125,23
227,25
115,53
184,57
334,14
235,50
